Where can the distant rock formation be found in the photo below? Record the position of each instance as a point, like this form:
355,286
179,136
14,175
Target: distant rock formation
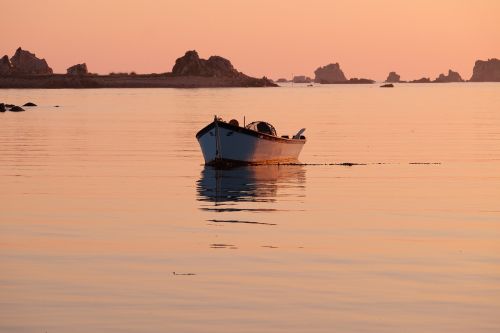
451,77
192,65
393,77
2,107
387,85
486,71
282,80
329,74
25,70
25,62
301,79
355,80
16,108
217,68
422,80
5,65
79,69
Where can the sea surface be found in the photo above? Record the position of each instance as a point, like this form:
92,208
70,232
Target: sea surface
103,198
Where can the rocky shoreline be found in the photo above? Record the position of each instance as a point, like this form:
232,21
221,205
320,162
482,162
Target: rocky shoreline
484,71
25,71
61,81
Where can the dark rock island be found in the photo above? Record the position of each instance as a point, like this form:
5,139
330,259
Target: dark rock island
422,80
191,65
25,62
393,77
79,69
301,79
332,74
451,77
486,71
25,70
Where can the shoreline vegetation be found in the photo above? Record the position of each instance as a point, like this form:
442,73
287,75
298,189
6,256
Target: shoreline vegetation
25,70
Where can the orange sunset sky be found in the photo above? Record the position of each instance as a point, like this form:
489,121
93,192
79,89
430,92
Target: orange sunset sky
273,38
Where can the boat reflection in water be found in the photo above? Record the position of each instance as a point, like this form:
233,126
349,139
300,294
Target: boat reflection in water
249,188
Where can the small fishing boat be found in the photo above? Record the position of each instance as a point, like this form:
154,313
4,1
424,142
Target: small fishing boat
227,143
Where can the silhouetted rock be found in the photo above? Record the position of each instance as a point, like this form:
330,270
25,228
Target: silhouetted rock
329,74
451,77
301,79
221,67
282,80
79,69
189,72
393,77
191,65
30,104
388,85
16,109
422,80
486,71
9,105
2,107
355,80
25,62
5,65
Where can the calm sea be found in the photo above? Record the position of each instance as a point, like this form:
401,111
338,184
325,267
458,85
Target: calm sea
105,197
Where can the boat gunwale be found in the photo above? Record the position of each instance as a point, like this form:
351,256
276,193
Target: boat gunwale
247,131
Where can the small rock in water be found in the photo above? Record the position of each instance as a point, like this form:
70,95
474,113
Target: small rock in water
2,107
9,105
174,273
56,106
30,104
16,108
388,85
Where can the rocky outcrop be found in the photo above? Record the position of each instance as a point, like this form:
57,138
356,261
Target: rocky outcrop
355,80
192,65
29,104
387,85
2,107
329,74
16,109
486,71
451,77
301,79
25,62
79,69
189,72
422,80
393,77
221,67
218,69
5,66
282,80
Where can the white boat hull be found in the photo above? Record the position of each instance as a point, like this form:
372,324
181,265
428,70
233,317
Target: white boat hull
244,146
